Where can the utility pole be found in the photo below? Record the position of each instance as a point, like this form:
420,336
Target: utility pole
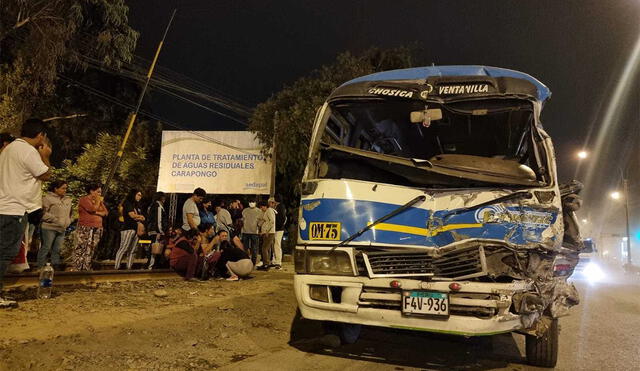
626,210
272,188
133,115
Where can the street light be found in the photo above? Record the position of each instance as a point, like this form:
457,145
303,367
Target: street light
615,195
582,154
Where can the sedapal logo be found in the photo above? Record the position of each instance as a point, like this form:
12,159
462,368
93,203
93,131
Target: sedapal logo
255,185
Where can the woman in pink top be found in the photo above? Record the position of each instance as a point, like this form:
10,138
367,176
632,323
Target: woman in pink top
91,210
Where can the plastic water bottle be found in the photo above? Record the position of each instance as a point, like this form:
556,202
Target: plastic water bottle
46,282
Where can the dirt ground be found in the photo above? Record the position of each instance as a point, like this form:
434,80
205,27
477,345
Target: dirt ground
196,326
250,325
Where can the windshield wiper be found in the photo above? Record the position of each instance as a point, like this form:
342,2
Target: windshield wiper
513,196
395,212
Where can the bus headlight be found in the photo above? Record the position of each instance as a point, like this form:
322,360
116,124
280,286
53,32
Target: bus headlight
323,262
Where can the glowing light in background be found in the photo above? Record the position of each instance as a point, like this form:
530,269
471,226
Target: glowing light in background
582,155
593,273
615,195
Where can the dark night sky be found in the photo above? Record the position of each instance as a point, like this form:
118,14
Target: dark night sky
250,49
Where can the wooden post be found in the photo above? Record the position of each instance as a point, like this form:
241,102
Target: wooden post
272,190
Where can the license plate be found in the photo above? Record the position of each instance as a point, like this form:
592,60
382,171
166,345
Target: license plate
425,302
328,231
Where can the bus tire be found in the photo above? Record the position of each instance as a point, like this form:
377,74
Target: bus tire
349,333
543,351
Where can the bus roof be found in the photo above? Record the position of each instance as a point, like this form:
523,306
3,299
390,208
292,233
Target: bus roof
422,73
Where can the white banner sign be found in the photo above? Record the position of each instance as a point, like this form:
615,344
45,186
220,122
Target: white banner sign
220,162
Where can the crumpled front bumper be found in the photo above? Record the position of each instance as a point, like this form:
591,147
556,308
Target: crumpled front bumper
374,302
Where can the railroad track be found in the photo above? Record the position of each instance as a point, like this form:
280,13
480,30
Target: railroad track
89,277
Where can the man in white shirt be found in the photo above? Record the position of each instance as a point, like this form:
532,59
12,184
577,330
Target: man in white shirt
190,211
24,164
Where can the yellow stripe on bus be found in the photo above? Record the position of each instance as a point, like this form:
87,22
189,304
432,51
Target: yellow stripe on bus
423,231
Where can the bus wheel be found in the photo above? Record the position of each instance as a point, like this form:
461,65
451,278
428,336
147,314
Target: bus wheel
543,351
347,332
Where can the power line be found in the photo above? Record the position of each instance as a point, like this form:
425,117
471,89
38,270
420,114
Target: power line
155,83
135,74
173,124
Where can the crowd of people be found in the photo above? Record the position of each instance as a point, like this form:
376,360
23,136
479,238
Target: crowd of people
213,238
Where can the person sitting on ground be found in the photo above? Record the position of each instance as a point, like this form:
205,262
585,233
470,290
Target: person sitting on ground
234,263
207,233
184,258
211,258
234,239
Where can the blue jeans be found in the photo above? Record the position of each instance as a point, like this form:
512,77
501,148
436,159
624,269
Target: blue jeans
250,242
51,241
12,228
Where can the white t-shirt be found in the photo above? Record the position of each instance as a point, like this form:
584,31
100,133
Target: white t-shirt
190,207
20,190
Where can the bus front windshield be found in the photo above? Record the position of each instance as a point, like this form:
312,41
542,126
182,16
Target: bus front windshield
480,135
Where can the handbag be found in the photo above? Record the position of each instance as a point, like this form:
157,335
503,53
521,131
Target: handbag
156,248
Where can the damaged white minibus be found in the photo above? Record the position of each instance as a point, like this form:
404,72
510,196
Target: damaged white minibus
430,202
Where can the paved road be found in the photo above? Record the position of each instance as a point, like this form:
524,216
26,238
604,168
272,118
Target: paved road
600,334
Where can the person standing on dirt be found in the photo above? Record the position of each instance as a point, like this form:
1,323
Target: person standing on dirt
206,215
5,139
281,221
250,237
91,210
132,229
55,221
268,231
190,211
24,164
224,221
157,224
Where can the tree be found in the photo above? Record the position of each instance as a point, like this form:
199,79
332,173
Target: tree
139,166
39,39
294,108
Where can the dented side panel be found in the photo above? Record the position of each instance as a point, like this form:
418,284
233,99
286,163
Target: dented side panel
515,224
